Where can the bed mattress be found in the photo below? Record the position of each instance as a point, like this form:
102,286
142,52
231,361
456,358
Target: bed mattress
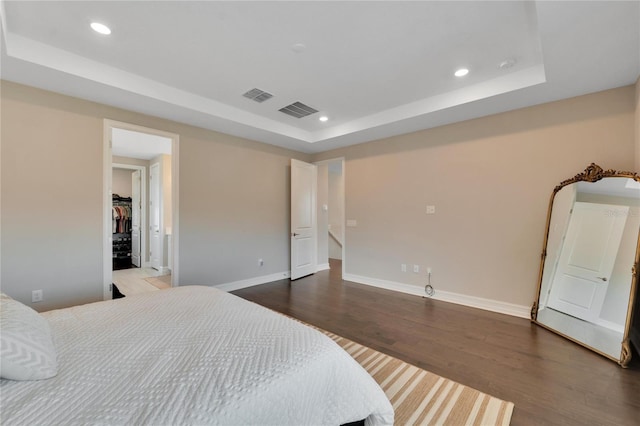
192,355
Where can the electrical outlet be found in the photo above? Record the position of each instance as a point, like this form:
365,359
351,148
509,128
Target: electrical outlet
260,262
416,269
431,210
403,267
429,270
36,296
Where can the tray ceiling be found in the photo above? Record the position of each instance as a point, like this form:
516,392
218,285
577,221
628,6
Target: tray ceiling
374,69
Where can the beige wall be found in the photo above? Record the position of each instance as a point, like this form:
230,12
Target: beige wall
121,182
490,180
52,199
234,208
234,199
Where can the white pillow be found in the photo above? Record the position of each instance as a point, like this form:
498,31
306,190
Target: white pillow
26,346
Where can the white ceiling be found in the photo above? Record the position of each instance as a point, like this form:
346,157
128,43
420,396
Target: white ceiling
144,146
376,69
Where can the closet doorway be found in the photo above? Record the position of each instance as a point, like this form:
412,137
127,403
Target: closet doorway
140,195
129,215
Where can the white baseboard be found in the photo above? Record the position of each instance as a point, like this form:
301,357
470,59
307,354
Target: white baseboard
610,325
163,270
322,267
445,296
250,282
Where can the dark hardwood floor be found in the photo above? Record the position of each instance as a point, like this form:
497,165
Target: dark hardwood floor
549,379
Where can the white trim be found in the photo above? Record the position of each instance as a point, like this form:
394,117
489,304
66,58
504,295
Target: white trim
445,296
322,267
143,201
242,123
610,325
344,216
108,124
250,282
156,185
175,210
107,239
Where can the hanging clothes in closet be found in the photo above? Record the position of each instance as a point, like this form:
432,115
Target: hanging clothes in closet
121,227
121,219
121,214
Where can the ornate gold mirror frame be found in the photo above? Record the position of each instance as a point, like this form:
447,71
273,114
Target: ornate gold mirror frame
593,173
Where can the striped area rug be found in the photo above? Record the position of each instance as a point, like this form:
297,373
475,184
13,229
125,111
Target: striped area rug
423,398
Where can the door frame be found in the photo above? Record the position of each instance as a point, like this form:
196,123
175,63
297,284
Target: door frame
344,207
143,201
152,211
108,125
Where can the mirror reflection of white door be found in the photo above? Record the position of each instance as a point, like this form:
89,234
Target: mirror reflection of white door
136,206
155,248
303,219
587,259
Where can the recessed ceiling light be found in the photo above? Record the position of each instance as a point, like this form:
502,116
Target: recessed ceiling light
461,72
100,28
323,118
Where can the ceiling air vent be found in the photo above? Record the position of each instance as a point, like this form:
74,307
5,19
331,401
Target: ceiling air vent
258,95
298,110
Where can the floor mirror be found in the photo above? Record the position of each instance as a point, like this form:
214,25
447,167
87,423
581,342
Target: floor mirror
589,264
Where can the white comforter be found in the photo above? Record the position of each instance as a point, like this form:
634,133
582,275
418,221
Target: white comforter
192,355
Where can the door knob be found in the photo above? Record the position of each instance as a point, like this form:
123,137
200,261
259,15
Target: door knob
602,278
293,234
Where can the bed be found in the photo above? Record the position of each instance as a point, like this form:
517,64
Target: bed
189,355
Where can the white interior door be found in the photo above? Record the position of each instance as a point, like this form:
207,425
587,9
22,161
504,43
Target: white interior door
303,219
155,247
587,259
136,207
